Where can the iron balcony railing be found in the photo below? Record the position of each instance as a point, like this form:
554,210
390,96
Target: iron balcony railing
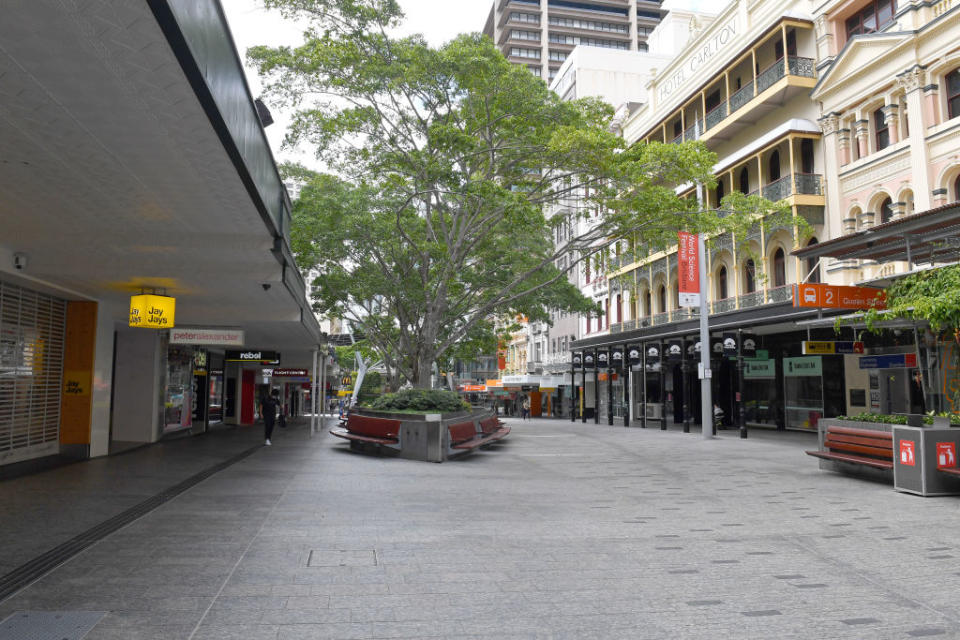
616,327
752,299
741,96
726,304
802,183
780,294
793,65
716,115
691,132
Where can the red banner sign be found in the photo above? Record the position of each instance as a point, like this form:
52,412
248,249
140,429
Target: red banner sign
838,297
689,278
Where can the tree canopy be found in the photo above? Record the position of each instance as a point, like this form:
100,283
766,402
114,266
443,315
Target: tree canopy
451,175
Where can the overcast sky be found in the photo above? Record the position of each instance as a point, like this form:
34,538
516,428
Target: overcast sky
251,24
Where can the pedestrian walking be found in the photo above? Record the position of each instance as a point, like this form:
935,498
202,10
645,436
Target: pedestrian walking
268,411
525,408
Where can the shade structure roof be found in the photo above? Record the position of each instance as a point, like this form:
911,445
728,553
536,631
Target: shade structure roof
931,236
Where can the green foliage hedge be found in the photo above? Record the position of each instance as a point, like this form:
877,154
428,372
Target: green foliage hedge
899,419
432,400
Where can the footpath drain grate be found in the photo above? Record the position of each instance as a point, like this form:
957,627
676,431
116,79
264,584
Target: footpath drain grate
342,558
49,625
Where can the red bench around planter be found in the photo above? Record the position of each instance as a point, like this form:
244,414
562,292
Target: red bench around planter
380,431
493,426
464,436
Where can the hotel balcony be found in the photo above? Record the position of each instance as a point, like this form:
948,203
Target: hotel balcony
756,83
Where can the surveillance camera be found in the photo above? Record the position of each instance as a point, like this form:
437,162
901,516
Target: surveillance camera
19,261
266,286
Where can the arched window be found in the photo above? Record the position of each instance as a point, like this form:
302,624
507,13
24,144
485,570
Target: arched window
619,308
662,299
774,166
720,191
886,210
956,189
646,304
953,93
744,181
779,268
883,131
812,265
722,293
749,276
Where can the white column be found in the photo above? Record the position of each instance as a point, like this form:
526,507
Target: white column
912,82
102,382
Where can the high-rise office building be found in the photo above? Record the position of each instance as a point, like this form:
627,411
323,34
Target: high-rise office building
540,34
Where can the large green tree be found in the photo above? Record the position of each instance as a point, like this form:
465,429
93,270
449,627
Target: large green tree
451,172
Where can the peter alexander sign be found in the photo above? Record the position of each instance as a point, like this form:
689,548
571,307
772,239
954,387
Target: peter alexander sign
712,45
201,336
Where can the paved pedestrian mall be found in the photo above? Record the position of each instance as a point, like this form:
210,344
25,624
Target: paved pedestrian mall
565,530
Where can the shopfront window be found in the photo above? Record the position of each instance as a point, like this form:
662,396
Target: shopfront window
178,398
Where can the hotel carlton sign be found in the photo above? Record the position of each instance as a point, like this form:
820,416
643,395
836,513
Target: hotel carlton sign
691,65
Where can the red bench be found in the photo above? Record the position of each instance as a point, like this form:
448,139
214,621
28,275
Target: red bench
465,437
365,429
857,446
493,426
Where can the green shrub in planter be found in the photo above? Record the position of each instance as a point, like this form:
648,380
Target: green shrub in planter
897,419
426,400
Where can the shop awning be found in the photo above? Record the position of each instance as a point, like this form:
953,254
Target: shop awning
931,236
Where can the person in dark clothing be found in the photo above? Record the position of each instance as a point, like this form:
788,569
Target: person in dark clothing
268,410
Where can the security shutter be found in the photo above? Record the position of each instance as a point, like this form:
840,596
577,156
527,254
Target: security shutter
31,368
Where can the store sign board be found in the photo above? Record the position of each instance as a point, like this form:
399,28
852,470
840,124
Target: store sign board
759,369
829,347
290,373
207,336
258,356
892,361
801,367
152,312
825,296
689,270
473,388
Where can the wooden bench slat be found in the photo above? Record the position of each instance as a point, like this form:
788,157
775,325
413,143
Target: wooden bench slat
852,431
870,462
373,427
861,449
476,442
343,433
870,442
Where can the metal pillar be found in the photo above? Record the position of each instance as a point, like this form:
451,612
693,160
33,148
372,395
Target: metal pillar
663,389
573,393
583,394
685,369
741,396
610,396
626,386
596,392
313,396
643,383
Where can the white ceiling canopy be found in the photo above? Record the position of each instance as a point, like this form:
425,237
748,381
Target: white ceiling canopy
113,178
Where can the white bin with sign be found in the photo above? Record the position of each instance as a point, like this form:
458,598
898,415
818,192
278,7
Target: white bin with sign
919,454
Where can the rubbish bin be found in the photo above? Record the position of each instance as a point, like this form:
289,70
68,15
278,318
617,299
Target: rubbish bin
918,453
